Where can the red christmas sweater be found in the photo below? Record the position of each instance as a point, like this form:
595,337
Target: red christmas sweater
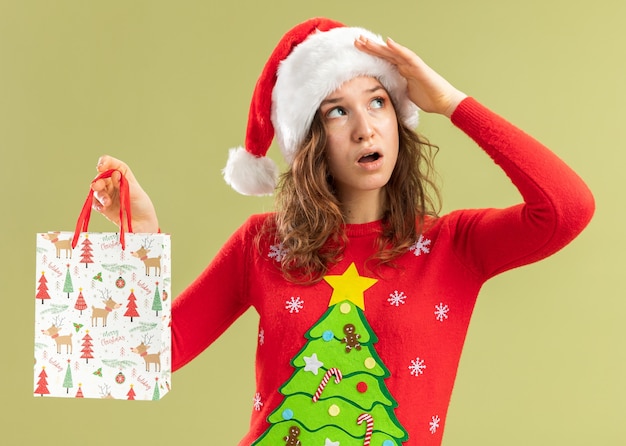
410,321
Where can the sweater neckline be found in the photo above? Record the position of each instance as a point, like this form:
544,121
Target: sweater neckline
362,229
376,227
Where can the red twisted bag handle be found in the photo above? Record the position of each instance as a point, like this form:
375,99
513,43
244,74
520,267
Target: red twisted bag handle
83,219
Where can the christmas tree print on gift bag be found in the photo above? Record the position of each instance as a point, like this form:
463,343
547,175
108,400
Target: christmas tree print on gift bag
337,394
101,311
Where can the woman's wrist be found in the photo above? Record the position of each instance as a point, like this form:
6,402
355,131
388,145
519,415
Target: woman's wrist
149,226
455,100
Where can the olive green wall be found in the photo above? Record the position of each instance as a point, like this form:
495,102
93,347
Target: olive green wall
166,86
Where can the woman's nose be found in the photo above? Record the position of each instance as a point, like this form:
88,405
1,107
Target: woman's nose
363,129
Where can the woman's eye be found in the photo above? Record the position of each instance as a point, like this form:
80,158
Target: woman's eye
335,112
377,103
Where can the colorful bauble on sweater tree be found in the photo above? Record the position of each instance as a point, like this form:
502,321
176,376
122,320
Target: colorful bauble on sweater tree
337,394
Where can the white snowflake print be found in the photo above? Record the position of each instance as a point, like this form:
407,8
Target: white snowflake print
396,298
256,402
441,311
434,424
261,336
417,367
420,246
295,304
277,252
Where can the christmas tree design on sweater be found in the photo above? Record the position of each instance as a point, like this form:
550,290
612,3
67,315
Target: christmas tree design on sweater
337,395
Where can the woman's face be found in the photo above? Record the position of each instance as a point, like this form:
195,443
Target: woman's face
362,137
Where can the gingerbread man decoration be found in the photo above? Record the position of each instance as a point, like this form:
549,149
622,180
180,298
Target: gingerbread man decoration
352,339
292,438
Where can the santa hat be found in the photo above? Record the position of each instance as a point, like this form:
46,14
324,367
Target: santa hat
311,61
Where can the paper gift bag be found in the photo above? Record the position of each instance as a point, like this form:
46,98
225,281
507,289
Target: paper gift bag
102,312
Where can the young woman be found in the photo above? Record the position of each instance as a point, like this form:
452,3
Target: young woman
364,293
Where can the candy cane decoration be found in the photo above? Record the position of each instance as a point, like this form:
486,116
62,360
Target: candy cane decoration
325,379
369,427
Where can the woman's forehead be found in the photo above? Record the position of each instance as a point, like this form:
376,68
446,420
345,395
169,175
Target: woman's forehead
359,84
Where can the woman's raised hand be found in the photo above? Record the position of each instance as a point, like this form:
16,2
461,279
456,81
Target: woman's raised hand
426,88
107,199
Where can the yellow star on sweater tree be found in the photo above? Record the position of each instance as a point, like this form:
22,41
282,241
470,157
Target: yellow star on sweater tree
349,286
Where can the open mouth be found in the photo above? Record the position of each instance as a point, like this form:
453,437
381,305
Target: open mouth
369,158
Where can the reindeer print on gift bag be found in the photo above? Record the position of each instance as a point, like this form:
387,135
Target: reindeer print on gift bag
103,313
142,350
150,263
60,245
91,327
53,332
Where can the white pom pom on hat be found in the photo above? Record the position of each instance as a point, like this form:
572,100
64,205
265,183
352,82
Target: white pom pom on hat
311,61
249,174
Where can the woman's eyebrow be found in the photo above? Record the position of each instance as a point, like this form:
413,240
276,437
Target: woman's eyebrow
335,100
331,101
375,89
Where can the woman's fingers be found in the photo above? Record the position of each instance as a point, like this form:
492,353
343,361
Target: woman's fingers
107,162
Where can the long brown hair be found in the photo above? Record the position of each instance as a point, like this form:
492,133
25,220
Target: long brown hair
309,222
